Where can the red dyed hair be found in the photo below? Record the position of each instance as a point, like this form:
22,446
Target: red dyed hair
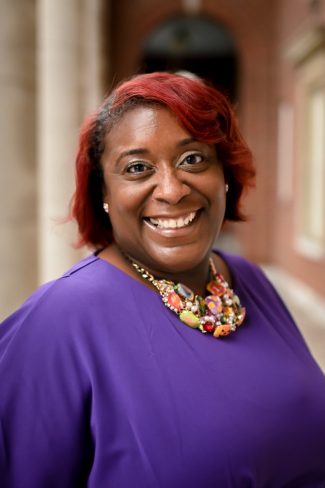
204,112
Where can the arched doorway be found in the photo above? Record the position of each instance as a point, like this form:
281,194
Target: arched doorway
196,44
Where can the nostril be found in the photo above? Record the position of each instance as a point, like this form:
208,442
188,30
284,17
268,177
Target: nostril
171,189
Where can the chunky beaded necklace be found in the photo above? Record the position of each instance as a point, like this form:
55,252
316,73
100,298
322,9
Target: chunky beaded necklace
219,313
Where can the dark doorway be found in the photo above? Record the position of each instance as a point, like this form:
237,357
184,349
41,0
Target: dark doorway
194,44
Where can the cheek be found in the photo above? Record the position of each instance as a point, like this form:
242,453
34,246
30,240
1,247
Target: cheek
217,198
125,202
214,190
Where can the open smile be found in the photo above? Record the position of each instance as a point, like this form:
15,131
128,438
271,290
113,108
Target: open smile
168,223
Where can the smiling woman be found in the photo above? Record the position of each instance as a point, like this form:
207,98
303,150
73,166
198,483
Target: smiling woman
121,379
206,117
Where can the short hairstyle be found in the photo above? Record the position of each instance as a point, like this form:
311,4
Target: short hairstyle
202,110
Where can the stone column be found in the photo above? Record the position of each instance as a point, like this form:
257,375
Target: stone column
69,67
18,235
95,65
59,115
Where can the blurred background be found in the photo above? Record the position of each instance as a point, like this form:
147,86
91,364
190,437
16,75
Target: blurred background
58,58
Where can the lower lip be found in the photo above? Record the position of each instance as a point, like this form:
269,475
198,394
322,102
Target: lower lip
173,232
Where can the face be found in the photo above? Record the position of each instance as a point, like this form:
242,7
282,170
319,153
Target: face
165,190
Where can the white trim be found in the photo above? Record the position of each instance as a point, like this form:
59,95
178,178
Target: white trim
309,238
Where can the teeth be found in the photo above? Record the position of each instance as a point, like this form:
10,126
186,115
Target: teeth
173,223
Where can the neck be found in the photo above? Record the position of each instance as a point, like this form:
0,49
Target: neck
196,278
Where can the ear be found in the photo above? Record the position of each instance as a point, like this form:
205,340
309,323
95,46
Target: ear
105,200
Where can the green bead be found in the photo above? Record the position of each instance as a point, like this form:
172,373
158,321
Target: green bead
189,319
201,304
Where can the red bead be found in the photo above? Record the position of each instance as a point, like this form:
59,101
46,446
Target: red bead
174,301
215,288
209,327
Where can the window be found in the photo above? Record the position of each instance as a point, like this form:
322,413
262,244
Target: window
313,182
309,57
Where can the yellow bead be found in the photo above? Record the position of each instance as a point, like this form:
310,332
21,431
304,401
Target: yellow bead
189,319
222,330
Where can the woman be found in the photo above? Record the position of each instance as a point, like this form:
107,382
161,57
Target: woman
157,362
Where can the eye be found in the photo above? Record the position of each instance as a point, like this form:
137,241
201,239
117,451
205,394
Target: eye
192,160
138,167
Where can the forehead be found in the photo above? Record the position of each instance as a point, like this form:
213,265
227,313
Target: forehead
144,124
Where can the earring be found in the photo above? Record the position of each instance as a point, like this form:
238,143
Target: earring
226,187
105,207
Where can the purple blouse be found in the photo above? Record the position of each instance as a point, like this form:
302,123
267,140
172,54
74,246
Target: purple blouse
102,386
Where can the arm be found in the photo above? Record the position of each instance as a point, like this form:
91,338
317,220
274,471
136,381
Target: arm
45,438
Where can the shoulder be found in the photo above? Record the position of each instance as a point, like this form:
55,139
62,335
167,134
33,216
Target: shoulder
63,309
259,294
240,267
250,280
83,280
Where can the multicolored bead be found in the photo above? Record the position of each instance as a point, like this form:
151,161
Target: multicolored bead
189,319
215,288
228,311
209,327
222,330
174,301
184,292
214,304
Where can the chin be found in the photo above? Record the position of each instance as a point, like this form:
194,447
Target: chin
177,259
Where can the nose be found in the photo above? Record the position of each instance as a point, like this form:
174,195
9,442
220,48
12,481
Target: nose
169,187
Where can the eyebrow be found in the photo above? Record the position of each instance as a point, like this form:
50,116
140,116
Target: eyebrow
184,142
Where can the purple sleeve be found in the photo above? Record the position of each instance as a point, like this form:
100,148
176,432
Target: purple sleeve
44,401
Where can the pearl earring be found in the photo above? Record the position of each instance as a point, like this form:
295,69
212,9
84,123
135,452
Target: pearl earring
226,187
105,207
